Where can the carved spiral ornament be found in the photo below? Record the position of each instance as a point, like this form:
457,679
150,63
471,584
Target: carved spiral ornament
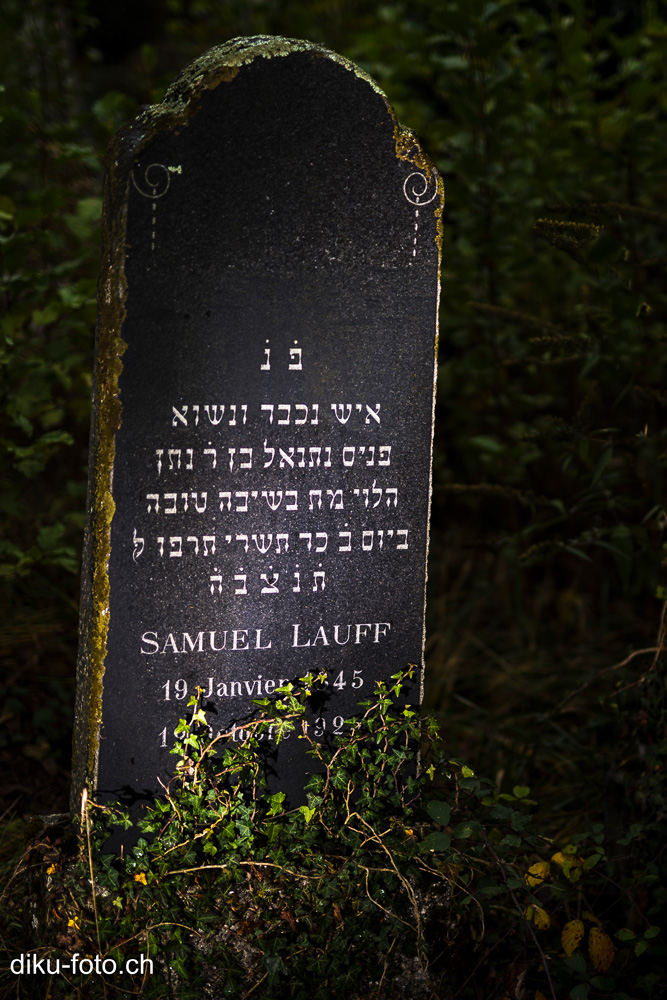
419,190
156,178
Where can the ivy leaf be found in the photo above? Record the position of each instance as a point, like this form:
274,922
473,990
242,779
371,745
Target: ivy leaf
274,965
307,813
276,803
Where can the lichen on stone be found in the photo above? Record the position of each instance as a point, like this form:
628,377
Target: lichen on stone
221,64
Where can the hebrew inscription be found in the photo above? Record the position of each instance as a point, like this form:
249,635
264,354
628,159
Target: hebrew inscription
262,430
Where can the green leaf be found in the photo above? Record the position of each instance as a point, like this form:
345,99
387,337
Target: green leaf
86,220
436,842
274,965
573,550
7,208
440,812
576,962
48,537
521,791
307,813
602,983
453,62
42,317
603,462
276,801
520,822
56,437
23,423
511,840
149,56
488,444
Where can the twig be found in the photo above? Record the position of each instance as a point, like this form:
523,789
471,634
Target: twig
661,641
384,970
384,909
411,894
248,864
86,819
259,983
662,634
483,959
607,670
152,927
524,919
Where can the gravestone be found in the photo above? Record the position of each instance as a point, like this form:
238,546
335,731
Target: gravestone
263,409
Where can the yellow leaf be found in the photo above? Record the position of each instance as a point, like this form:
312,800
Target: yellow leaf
540,917
539,995
140,878
601,949
591,916
51,869
537,873
571,936
572,866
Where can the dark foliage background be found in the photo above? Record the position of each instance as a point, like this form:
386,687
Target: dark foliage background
547,121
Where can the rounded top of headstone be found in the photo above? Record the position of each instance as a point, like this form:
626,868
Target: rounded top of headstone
222,63
308,143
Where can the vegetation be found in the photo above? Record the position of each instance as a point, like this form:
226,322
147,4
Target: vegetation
545,658
385,883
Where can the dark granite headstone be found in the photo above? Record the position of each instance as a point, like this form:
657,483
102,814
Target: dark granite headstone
263,408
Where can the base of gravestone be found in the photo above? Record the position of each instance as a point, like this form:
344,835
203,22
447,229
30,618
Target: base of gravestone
406,976
53,927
